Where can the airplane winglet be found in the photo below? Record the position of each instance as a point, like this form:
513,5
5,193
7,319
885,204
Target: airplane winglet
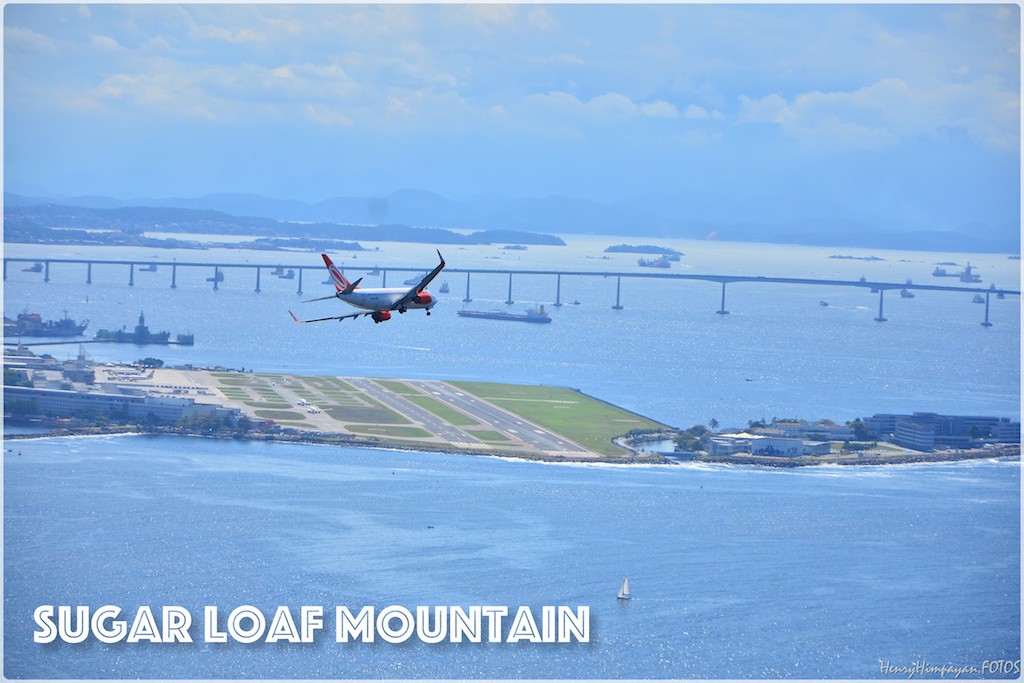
293,317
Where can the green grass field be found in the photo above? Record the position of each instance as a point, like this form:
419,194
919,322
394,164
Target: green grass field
279,415
487,435
364,414
446,413
383,430
400,388
585,420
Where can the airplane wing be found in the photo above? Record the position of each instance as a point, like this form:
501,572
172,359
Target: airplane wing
416,289
333,317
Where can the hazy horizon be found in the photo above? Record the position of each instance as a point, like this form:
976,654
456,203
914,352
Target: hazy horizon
903,117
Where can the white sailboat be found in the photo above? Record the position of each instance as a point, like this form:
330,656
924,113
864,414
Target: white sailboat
624,591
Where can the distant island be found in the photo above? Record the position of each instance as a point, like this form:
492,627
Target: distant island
684,214
857,258
126,226
642,249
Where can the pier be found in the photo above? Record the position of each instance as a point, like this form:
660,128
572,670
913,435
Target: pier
217,271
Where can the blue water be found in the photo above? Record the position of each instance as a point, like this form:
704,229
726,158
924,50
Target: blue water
667,355
737,572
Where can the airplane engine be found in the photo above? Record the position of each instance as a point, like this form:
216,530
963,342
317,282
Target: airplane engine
423,298
381,316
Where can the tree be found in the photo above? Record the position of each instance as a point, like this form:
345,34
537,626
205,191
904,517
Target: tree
713,424
150,362
860,430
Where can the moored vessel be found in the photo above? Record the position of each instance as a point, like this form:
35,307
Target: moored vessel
535,315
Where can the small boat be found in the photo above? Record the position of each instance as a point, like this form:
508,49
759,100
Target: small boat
375,272
36,267
1001,295
219,277
290,275
823,304
277,271
576,303
978,299
907,294
148,268
624,590
444,288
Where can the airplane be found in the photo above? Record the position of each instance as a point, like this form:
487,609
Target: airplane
378,302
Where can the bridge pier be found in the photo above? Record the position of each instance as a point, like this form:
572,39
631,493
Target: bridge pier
986,323
618,293
722,311
5,269
467,299
558,290
216,278
509,301
46,275
300,281
384,280
88,272
131,275
881,300
257,279
174,276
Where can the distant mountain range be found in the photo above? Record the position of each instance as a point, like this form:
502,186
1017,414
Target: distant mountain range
689,214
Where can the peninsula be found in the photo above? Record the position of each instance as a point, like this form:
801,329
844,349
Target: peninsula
538,422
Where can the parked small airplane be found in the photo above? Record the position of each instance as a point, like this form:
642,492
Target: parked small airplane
378,302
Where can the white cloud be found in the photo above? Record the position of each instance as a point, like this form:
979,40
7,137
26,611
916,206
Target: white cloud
606,107
27,41
540,18
105,43
242,35
326,116
659,109
891,110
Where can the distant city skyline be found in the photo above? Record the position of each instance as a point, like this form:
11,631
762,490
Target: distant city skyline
903,117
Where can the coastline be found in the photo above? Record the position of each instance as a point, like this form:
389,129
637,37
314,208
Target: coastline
637,459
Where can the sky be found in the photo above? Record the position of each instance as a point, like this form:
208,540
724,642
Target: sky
909,110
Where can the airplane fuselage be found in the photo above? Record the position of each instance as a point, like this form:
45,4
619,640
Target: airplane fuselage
384,299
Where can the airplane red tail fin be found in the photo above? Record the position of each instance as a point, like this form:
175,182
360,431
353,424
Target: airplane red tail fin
341,283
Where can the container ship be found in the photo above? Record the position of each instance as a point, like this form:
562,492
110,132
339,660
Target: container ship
33,325
536,315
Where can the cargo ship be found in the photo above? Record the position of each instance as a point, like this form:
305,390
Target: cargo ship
33,325
536,315
142,335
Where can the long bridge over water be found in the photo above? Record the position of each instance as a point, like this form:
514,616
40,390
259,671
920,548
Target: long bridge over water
723,279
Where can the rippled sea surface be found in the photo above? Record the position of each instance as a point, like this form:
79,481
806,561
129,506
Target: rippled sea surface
737,571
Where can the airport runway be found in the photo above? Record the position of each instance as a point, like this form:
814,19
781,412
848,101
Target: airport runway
432,423
534,435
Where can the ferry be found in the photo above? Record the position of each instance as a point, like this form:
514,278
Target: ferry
535,315
444,288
